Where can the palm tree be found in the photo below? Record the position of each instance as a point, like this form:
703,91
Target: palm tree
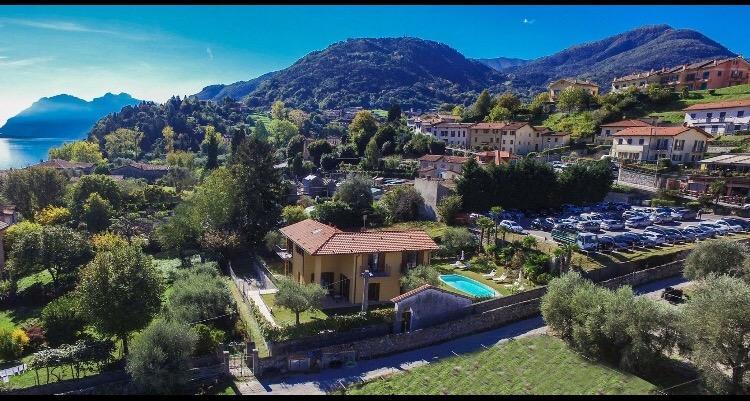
564,255
485,223
529,242
495,212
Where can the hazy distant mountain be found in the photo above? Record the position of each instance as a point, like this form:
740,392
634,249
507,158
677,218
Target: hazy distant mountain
501,63
637,50
63,116
370,73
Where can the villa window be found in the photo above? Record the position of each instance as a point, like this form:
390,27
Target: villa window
692,115
708,116
641,141
607,133
630,141
619,141
706,74
741,113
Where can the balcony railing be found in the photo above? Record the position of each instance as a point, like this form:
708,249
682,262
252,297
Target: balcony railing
376,271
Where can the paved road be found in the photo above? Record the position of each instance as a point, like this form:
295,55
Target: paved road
331,379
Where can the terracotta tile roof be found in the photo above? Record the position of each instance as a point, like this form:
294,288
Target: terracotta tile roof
540,128
148,167
424,288
627,123
488,125
516,125
430,158
719,105
447,124
658,131
553,133
636,75
64,164
319,239
575,81
309,234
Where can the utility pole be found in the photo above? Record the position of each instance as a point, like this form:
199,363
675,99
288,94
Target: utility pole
366,280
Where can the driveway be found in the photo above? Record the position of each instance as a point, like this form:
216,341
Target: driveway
365,370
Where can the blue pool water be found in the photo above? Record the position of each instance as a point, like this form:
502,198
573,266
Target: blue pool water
467,285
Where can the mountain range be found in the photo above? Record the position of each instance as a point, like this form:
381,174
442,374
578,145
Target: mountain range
63,116
421,73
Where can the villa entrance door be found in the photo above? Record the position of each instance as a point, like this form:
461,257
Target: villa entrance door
344,287
406,321
326,281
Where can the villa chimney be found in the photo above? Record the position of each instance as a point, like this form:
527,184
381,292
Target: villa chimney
653,130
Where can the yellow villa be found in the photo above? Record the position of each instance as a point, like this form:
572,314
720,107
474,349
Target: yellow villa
336,259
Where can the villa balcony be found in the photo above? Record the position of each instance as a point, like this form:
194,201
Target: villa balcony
382,271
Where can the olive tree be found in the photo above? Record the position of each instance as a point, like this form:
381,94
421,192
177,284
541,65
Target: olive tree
420,276
299,297
718,257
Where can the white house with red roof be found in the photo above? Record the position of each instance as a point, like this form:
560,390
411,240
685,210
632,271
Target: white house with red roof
608,130
678,144
726,117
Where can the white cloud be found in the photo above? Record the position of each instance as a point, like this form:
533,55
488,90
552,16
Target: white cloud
210,53
528,21
24,62
66,26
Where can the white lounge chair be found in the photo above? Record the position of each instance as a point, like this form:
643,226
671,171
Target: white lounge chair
501,278
490,274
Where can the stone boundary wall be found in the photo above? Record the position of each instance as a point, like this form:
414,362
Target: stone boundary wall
495,303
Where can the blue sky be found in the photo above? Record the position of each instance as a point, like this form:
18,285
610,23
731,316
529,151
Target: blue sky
153,52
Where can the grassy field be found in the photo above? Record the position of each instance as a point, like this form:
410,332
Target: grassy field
433,228
251,325
535,365
730,93
284,316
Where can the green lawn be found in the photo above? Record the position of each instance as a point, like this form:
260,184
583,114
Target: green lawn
251,324
284,316
534,365
730,93
43,277
433,228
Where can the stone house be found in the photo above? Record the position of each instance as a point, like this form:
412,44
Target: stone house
555,88
426,306
149,172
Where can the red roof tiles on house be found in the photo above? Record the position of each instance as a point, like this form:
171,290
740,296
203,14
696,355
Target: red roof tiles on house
64,164
719,105
627,123
659,131
431,158
423,288
320,239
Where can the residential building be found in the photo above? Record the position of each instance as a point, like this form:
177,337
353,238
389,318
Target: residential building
725,117
441,166
67,166
496,156
149,172
678,144
454,134
433,190
514,137
551,140
313,186
555,88
706,74
604,137
424,123
734,162
336,259
427,306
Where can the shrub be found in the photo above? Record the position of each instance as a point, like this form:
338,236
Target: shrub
52,215
336,323
208,338
420,276
12,343
694,205
449,207
661,202
17,231
403,203
199,293
159,360
35,332
293,214
62,320
717,256
455,240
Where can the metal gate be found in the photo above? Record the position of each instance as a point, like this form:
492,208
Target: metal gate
238,359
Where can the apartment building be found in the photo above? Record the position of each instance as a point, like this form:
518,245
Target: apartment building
678,144
726,117
441,166
453,134
608,130
514,137
555,88
707,74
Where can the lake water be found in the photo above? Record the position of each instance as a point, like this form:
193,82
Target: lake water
22,152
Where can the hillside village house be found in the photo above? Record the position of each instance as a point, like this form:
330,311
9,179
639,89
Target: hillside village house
453,134
149,172
555,88
514,137
496,156
604,137
74,168
706,74
441,166
335,259
551,139
678,144
726,117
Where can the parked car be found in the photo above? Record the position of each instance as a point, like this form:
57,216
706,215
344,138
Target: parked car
734,228
612,224
543,224
637,222
606,242
688,234
737,221
675,234
622,242
670,237
697,233
657,238
684,213
648,241
660,217
565,227
718,229
707,231
628,214
512,226
590,216
591,225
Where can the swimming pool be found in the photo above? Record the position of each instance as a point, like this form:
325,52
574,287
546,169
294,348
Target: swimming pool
467,285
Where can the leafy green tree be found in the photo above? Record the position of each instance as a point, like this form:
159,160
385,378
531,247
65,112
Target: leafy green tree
168,134
58,249
472,185
508,101
293,214
120,291
355,192
403,203
419,276
449,207
103,185
715,325
260,131
371,161
457,111
717,189
160,360
499,113
361,130
295,145
485,224
336,213
78,151
329,162
278,111
123,143
52,215
481,107
259,193
62,320
394,113
280,132
238,136
299,297
34,188
210,146
573,99
198,294
96,213
457,239
718,256
317,149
